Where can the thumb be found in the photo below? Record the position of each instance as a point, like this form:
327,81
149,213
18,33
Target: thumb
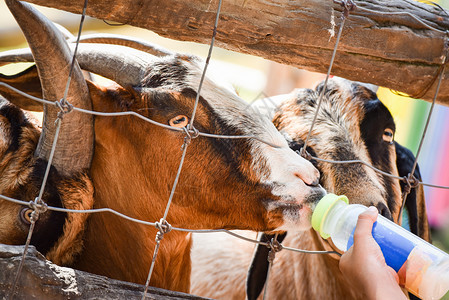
365,223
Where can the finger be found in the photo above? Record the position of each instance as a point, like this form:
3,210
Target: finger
365,223
393,273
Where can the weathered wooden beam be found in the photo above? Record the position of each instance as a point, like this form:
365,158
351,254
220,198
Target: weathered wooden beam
391,50
40,279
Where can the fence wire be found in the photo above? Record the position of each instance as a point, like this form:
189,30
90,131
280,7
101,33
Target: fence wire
39,206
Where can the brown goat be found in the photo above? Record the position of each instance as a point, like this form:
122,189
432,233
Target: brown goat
225,183
59,235
352,124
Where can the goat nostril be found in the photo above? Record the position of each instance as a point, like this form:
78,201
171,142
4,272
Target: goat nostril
316,182
384,211
307,179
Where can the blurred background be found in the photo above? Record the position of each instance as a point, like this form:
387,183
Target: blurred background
255,78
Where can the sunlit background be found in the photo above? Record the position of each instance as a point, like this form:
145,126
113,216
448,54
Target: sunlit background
255,78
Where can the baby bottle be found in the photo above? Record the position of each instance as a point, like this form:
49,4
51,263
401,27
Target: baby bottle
422,268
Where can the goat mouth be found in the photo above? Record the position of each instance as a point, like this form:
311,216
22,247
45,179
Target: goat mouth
309,200
296,213
317,192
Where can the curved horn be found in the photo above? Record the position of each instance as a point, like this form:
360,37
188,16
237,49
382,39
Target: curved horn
65,32
53,58
124,65
16,56
116,39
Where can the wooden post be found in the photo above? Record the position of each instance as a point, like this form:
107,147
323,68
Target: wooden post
389,48
40,279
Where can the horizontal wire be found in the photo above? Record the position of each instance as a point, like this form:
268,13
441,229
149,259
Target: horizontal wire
101,210
81,211
357,161
434,185
376,169
310,251
132,113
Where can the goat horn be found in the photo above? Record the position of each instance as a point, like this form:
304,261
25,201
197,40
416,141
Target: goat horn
116,39
53,57
124,65
16,56
65,32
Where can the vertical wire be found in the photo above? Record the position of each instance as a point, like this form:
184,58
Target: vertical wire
38,200
175,183
270,265
83,16
320,100
153,263
156,249
25,250
265,289
50,159
185,146
206,64
415,163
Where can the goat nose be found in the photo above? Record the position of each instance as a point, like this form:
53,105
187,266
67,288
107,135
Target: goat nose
311,178
384,210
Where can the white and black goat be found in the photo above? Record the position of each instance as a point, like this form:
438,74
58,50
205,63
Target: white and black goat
352,124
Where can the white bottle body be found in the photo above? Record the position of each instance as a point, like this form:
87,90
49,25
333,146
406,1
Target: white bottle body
423,269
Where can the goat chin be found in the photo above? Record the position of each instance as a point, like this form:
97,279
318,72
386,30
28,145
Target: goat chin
297,213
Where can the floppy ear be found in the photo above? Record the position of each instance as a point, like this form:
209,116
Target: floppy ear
415,202
27,81
257,273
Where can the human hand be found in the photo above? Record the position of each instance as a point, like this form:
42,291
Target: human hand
363,265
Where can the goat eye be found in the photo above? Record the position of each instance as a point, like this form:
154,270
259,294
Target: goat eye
25,215
388,135
179,121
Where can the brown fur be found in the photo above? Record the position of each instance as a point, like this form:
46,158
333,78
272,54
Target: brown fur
15,166
76,193
340,116
118,185
16,169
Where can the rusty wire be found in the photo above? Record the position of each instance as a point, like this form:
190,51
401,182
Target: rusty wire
39,206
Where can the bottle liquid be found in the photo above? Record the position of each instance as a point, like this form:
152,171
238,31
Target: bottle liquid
422,268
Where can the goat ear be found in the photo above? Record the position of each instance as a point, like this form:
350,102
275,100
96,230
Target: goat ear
415,202
110,98
362,92
27,81
257,273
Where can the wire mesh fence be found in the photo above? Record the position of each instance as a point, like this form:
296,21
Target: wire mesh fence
39,207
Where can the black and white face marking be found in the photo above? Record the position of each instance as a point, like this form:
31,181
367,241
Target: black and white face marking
291,178
352,124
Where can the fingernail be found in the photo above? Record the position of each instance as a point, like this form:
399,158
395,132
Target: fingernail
372,209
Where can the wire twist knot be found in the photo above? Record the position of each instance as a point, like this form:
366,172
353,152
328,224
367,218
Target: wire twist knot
348,6
303,152
164,227
64,107
191,133
39,207
411,182
275,247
